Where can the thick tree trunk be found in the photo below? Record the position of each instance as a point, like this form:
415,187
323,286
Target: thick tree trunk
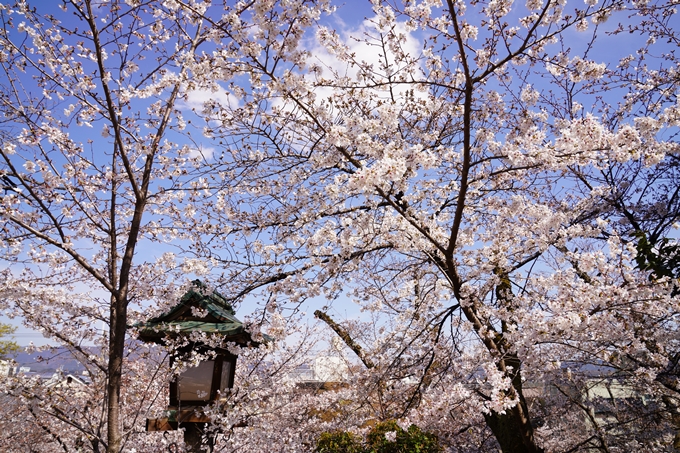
117,332
513,430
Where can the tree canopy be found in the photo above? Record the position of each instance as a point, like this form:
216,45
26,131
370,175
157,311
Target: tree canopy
7,346
493,187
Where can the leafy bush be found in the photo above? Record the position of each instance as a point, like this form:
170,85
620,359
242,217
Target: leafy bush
7,347
339,442
385,437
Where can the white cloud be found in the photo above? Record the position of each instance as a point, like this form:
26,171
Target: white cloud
204,153
196,99
364,46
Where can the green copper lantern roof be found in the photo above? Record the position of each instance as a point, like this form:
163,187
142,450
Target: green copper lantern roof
197,311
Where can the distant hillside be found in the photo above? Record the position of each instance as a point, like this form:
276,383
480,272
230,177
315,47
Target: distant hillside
50,361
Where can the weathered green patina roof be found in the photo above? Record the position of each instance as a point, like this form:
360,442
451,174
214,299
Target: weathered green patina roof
197,311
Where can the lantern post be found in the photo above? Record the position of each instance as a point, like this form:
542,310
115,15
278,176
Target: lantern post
199,310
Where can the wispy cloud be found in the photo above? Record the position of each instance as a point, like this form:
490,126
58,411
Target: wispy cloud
203,152
197,99
363,44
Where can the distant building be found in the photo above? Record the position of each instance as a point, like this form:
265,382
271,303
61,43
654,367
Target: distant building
59,380
330,369
322,370
6,368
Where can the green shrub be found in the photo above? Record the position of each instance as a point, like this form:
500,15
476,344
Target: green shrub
413,440
339,442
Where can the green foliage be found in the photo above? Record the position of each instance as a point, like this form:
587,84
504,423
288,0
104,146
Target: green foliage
412,440
339,442
7,347
661,257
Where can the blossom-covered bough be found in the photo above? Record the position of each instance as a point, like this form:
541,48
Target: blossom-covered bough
477,177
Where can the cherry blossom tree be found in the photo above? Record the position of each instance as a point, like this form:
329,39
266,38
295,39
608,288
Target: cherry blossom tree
74,205
475,177
94,148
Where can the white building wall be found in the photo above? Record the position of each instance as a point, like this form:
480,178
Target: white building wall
330,369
